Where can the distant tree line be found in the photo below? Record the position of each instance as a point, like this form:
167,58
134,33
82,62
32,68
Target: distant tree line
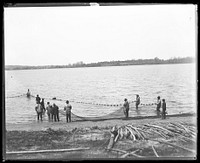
156,60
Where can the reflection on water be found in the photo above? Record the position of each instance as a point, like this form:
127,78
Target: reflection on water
102,85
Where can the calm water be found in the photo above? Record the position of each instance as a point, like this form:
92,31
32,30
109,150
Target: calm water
105,85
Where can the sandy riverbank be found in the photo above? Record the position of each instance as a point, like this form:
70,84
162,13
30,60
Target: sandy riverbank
37,126
94,135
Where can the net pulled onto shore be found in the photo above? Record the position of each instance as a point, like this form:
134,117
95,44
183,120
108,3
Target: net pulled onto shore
114,115
119,114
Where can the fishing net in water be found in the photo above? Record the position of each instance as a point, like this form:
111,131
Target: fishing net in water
114,115
117,114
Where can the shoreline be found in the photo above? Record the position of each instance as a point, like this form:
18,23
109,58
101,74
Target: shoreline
101,123
27,141
21,67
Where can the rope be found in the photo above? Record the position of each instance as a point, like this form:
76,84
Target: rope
99,104
115,114
87,103
16,96
148,104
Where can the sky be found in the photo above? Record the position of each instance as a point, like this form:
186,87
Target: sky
66,35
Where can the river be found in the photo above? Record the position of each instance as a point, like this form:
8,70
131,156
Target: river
90,87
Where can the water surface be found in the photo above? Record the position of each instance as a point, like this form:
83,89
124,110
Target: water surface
101,85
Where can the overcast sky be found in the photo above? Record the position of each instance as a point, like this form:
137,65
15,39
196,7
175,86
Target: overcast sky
63,35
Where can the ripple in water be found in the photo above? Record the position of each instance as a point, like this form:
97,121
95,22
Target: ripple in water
102,85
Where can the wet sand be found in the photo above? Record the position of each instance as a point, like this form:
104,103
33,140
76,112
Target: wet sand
38,126
92,134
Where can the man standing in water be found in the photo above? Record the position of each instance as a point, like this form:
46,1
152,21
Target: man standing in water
37,99
56,112
49,111
163,109
126,107
28,94
38,109
68,108
137,101
158,106
43,106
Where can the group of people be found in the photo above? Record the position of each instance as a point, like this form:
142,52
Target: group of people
126,105
137,102
51,110
161,105
39,108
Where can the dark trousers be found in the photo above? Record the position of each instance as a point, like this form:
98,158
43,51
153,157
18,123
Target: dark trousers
56,116
49,116
136,105
127,110
158,108
68,117
39,116
164,115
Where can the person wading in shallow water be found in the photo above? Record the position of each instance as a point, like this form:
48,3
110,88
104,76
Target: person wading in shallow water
126,107
56,112
137,101
158,106
163,109
49,111
43,106
38,109
28,94
68,109
37,99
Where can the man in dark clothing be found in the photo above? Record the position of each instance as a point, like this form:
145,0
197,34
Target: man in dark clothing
28,94
68,109
37,99
56,112
163,109
43,106
126,107
158,106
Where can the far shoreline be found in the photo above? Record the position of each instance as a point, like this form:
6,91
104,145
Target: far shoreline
37,67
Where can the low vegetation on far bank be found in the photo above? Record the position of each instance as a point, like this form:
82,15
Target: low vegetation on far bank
107,63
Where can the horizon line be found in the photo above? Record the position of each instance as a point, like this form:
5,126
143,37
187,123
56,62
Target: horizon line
100,61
